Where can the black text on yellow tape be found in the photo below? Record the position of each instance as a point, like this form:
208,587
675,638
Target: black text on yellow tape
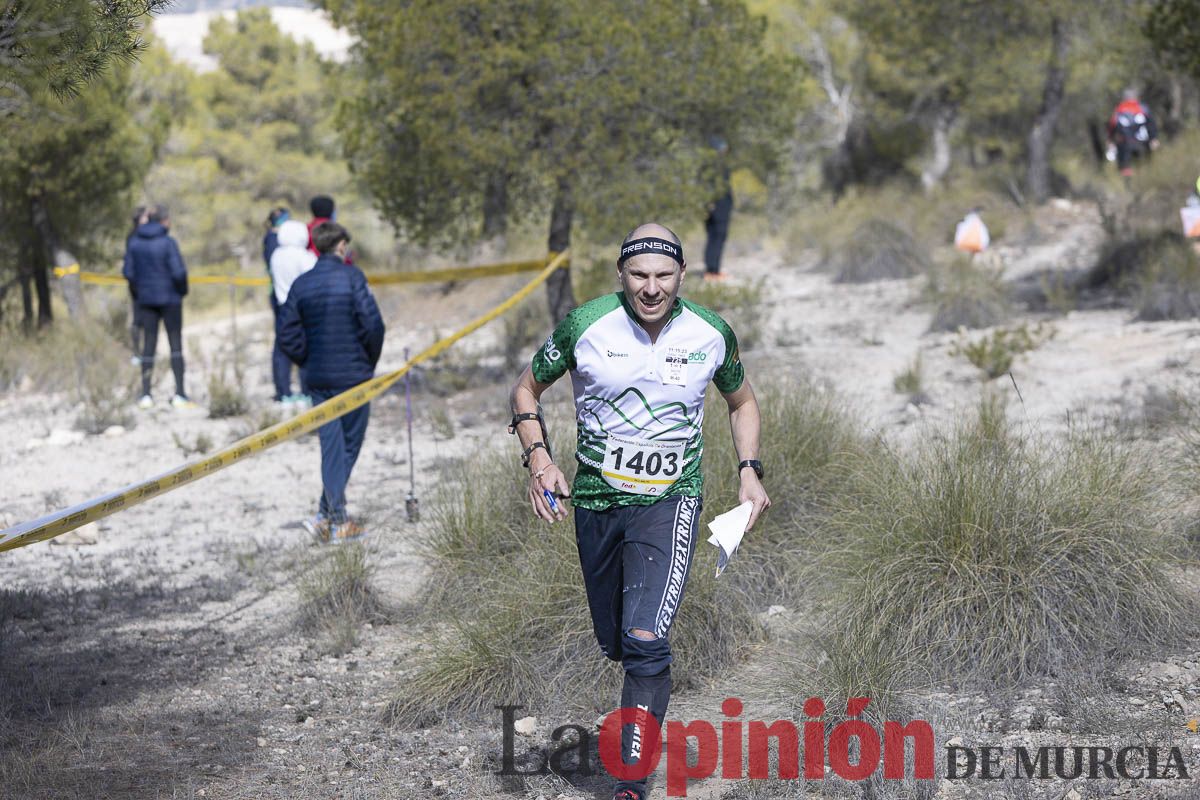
60,522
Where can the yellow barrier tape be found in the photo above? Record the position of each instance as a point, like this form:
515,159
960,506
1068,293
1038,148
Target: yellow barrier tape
70,269
378,279
61,522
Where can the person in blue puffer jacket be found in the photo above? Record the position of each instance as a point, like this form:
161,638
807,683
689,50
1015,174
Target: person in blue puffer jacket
158,282
331,327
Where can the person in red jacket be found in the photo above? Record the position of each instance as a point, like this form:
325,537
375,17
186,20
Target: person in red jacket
323,210
1131,131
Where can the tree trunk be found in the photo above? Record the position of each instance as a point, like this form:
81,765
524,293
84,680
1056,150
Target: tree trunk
939,158
1174,117
559,293
1097,137
495,207
41,283
4,290
26,298
58,256
1041,137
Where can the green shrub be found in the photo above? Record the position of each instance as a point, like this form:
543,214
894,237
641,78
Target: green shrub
1168,287
964,295
927,218
988,557
879,250
1059,292
994,353
1157,273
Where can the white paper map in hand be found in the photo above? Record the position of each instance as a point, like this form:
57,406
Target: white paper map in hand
727,531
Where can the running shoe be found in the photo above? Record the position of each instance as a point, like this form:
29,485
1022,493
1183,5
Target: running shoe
347,531
628,794
715,277
179,402
319,528
145,402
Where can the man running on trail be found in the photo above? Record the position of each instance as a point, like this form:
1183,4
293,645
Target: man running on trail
640,361
1131,131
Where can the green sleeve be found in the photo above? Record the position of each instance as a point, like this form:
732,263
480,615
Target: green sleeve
730,375
557,355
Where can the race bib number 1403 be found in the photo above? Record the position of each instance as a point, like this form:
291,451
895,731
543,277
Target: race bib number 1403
642,466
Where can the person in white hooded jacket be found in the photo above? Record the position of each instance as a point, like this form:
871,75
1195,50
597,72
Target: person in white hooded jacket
289,261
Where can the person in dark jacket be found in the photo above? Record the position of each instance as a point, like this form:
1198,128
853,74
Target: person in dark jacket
140,217
331,327
720,211
158,282
277,217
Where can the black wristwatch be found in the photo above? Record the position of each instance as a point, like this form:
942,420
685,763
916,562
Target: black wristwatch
753,464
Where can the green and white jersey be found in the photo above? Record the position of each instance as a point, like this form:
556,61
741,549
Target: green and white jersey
639,405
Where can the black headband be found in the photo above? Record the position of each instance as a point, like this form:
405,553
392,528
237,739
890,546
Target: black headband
650,244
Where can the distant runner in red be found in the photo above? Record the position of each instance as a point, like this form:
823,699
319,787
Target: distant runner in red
323,210
1131,131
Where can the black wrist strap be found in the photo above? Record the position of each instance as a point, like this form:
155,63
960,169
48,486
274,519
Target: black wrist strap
529,450
519,418
754,464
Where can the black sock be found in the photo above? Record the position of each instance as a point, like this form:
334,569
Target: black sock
147,372
177,368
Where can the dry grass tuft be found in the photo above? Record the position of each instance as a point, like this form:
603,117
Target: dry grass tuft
965,295
991,557
338,596
879,250
227,392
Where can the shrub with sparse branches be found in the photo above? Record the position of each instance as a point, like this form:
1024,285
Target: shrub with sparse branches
994,353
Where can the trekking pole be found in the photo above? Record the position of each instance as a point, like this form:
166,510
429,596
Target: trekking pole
411,505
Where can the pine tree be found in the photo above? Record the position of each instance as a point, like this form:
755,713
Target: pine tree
592,110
